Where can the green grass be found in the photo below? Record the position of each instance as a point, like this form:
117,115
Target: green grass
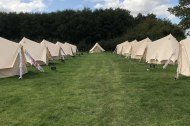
96,90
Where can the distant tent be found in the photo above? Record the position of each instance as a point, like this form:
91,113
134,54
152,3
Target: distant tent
184,58
12,59
125,45
134,47
96,49
142,49
54,49
73,47
119,47
67,49
126,50
129,48
39,52
162,51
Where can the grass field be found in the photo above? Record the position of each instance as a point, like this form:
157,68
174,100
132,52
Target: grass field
96,90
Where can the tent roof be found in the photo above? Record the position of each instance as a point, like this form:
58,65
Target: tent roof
163,49
8,52
36,50
119,47
143,46
127,48
53,48
97,46
74,47
66,47
134,47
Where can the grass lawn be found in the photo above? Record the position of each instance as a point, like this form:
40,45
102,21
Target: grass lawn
96,90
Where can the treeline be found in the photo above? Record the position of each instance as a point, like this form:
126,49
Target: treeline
85,27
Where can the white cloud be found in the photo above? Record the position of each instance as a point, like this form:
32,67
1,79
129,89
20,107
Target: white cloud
22,5
158,7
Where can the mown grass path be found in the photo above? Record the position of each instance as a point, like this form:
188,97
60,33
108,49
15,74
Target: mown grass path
96,90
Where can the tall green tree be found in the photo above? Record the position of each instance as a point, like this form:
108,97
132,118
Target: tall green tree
85,27
183,12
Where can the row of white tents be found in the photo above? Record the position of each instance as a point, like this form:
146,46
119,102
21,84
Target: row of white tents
166,50
15,56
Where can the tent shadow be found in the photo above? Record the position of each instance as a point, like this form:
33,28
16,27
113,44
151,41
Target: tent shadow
31,74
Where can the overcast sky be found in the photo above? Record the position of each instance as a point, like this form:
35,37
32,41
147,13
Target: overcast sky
158,7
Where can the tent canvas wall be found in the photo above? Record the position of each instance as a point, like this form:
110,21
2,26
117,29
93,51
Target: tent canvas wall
54,49
73,47
96,49
163,50
184,58
67,49
142,49
124,47
39,52
119,48
12,59
127,49
134,47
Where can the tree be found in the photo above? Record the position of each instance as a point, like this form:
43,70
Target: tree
183,12
85,27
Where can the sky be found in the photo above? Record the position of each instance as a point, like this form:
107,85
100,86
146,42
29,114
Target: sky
158,7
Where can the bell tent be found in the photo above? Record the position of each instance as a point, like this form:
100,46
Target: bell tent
142,49
184,58
39,52
54,49
96,49
128,48
73,47
67,49
12,59
125,45
162,51
134,47
120,47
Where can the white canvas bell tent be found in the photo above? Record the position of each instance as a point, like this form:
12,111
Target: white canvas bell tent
67,49
124,47
40,53
142,49
162,51
119,48
96,49
184,58
134,47
128,49
54,49
73,47
12,59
